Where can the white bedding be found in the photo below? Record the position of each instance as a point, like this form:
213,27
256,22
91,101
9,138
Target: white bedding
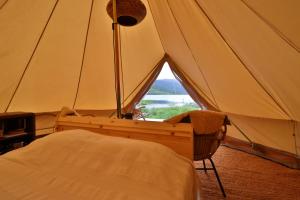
79,164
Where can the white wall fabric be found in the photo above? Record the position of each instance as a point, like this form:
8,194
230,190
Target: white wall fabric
96,89
282,16
234,88
242,56
140,48
2,3
175,45
52,76
275,133
21,23
141,51
219,64
297,138
53,73
273,62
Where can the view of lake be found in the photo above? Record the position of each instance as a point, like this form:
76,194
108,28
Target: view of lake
170,98
163,101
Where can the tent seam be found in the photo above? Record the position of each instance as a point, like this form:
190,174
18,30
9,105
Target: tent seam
245,66
156,27
3,4
202,73
290,43
178,78
190,81
241,131
162,60
295,128
194,84
83,54
31,57
273,27
241,61
211,101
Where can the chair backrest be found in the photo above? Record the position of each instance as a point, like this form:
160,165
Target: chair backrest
205,145
209,130
205,121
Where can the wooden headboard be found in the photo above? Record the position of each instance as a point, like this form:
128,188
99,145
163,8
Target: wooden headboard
178,137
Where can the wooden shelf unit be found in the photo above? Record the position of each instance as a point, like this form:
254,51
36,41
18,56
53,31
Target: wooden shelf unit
16,127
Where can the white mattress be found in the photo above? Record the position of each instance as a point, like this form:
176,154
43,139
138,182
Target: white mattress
79,164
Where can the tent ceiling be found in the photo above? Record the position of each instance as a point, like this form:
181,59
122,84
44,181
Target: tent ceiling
267,56
221,68
51,77
283,17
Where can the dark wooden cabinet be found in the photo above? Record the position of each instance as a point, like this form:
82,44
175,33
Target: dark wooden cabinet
16,129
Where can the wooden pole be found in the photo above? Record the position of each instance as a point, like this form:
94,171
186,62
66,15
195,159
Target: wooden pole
117,59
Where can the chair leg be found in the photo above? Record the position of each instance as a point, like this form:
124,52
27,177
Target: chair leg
216,173
204,166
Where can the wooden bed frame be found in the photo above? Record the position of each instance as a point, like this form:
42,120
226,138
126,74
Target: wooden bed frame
178,137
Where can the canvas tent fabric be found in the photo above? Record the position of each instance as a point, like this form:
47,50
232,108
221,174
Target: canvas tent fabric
241,56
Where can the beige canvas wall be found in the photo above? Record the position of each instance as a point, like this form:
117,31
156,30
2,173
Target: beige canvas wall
2,3
297,136
16,46
283,17
274,63
243,61
69,46
221,68
275,133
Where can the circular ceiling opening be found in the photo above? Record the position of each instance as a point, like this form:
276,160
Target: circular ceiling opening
127,21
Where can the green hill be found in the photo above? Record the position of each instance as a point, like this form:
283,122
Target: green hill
167,87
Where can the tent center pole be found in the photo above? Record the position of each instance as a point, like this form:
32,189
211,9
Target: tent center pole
117,59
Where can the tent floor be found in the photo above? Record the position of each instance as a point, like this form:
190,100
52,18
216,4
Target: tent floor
246,177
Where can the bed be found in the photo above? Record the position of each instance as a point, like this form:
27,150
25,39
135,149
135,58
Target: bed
79,164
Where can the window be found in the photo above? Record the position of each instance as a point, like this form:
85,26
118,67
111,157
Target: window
166,98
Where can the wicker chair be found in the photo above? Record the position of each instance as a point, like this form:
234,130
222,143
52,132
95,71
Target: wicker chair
207,139
209,130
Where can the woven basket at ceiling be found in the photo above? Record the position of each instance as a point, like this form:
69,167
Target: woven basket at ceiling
129,12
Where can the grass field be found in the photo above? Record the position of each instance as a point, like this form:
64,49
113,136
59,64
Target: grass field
165,113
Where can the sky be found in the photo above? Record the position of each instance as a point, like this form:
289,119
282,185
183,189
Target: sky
166,72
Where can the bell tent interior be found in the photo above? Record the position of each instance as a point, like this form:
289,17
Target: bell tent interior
238,57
